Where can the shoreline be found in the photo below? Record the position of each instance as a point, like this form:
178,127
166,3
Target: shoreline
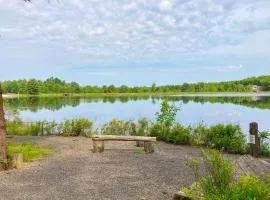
187,94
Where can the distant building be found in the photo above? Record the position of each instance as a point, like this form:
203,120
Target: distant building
257,88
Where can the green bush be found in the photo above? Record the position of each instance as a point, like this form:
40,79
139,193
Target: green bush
74,127
17,127
220,173
159,131
265,149
265,146
226,137
113,127
250,187
199,135
77,127
143,127
218,184
179,134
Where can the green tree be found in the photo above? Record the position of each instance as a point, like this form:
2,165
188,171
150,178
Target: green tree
167,114
33,87
111,89
153,87
123,89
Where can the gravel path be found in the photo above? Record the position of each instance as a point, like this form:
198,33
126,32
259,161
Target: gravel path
122,172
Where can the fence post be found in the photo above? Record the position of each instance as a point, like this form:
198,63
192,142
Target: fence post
254,139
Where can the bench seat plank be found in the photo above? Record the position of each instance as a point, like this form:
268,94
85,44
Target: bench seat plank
123,138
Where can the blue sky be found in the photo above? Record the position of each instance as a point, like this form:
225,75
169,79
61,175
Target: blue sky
134,42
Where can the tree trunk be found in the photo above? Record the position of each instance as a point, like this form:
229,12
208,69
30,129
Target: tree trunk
3,133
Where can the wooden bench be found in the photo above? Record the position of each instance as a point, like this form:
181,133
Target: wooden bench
98,141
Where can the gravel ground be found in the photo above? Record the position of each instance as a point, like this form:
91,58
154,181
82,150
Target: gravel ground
122,172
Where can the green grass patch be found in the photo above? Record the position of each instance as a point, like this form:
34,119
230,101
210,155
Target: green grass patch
30,152
139,151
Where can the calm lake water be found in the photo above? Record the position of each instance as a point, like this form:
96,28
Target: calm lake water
209,109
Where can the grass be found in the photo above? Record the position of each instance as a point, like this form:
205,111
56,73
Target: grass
138,152
30,152
75,127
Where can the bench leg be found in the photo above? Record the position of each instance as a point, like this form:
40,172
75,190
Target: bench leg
94,146
148,147
98,146
139,144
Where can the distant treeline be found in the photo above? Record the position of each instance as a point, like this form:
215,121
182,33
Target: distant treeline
56,86
35,103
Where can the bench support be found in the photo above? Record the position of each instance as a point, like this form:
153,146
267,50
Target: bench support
148,147
98,146
139,143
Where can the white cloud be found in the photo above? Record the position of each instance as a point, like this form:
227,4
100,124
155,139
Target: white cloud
252,45
109,31
227,68
165,4
100,73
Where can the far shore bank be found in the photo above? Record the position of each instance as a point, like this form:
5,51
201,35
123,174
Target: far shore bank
191,94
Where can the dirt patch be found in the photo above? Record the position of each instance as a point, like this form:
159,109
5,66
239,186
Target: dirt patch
122,172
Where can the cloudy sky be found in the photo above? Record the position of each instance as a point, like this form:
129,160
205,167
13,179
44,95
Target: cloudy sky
134,42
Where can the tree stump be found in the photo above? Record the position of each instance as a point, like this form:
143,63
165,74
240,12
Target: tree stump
98,146
17,160
148,147
139,144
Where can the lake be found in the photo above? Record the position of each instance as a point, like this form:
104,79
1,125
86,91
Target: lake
209,109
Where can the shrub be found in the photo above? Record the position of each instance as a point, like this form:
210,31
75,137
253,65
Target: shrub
129,128
142,127
227,137
250,187
113,127
199,135
17,127
218,182
265,149
76,127
50,128
159,131
220,173
167,114
179,134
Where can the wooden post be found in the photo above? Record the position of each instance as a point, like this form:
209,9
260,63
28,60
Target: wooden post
17,160
148,147
254,139
3,135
